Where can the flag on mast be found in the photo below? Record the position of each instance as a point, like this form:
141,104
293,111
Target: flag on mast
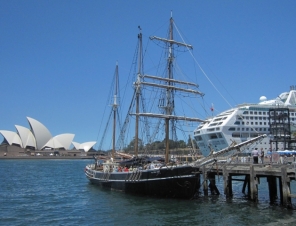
212,107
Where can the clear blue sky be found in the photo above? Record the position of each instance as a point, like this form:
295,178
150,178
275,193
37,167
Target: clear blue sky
57,57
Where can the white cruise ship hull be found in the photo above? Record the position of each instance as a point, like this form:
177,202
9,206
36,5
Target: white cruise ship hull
243,123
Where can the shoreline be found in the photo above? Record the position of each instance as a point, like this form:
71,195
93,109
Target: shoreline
45,157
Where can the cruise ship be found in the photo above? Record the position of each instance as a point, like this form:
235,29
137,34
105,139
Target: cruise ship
242,123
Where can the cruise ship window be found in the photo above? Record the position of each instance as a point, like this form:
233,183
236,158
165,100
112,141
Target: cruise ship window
251,123
243,123
246,112
253,134
260,112
264,113
251,118
238,129
251,112
260,118
244,135
256,118
247,117
255,112
198,138
256,123
260,123
213,136
212,124
235,134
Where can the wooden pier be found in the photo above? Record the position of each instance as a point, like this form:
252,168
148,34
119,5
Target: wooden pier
278,177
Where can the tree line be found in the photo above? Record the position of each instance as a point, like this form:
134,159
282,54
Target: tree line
158,145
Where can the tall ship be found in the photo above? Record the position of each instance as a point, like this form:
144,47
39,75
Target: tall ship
245,122
141,173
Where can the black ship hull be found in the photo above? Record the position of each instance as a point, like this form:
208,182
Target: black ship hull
169,182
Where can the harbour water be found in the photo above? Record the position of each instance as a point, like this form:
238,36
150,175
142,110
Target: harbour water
56,192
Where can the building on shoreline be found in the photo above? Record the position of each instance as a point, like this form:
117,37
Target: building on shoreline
16,152
39,138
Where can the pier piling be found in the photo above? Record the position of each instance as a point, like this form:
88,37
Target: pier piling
285,188
205,182
252,174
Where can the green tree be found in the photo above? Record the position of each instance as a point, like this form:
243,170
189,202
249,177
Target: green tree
131,146
181,144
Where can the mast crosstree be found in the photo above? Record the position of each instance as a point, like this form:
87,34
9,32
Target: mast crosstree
170,86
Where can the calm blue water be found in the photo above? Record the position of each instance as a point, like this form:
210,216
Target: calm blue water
56,192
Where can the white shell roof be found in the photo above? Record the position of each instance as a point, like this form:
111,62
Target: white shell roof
76,145
53,143
41,133
11,137
26,136
65,139
85,146
60,141
40,138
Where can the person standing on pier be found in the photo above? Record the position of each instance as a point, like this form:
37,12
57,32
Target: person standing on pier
262,156
255,154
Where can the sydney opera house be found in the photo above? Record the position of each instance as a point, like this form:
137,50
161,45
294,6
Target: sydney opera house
39,138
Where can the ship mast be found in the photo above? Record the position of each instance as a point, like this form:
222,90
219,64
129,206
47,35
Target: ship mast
169,107
170,85
115,106
138,90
